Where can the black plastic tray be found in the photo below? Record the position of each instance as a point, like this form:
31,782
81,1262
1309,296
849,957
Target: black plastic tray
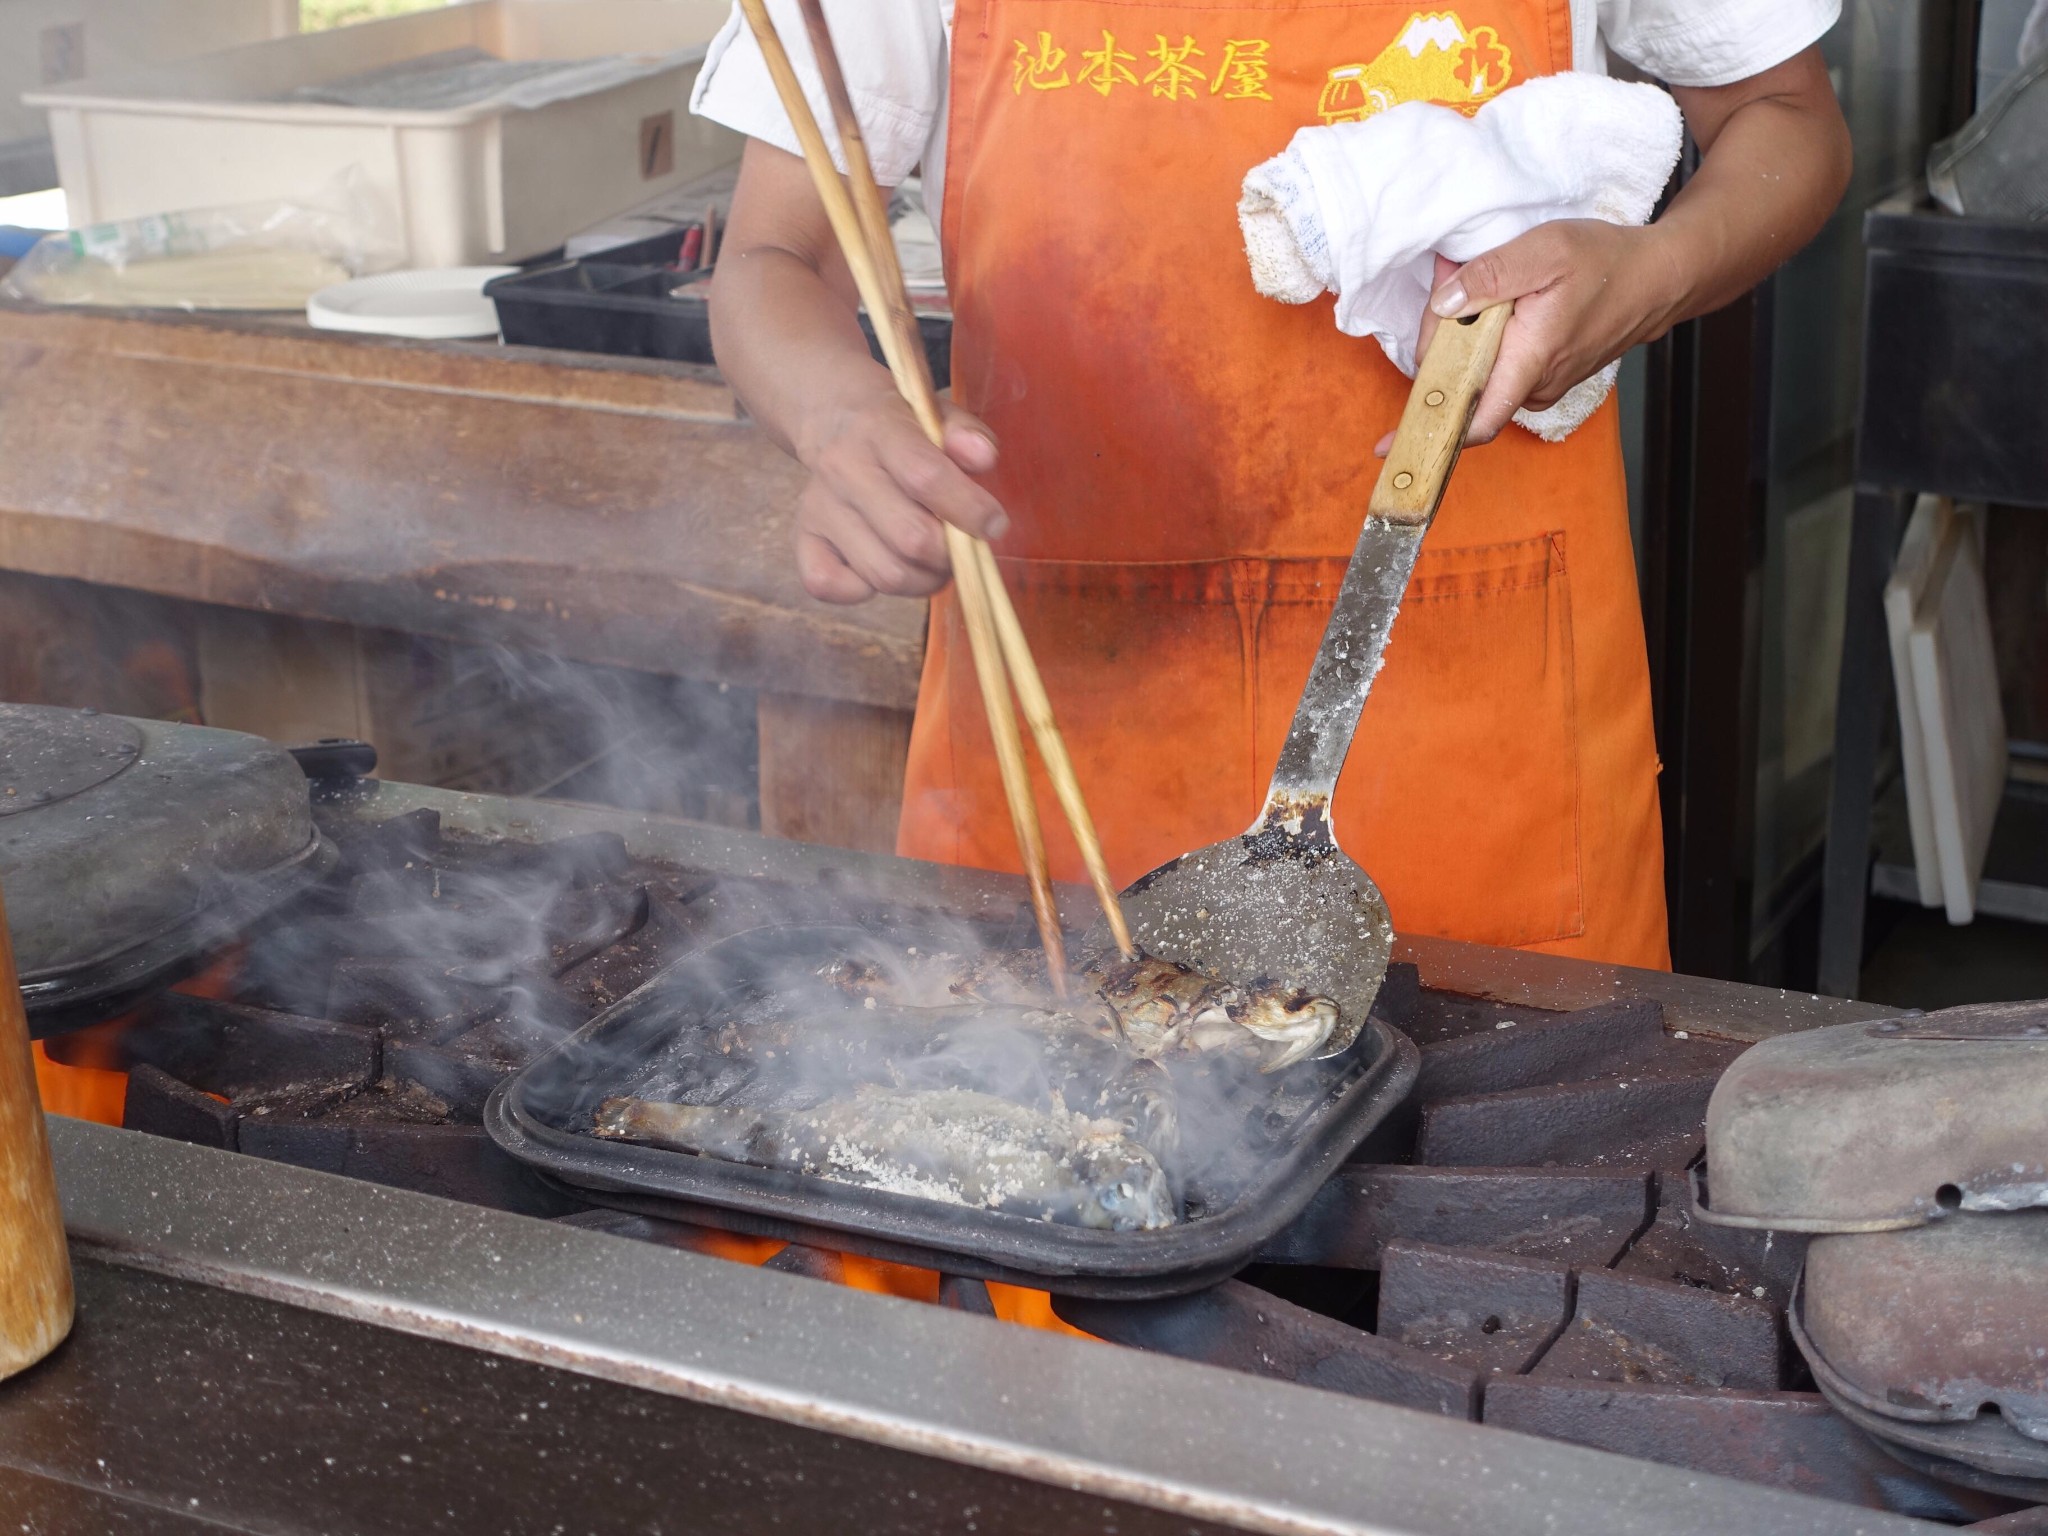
623,302
538,1116
1951,341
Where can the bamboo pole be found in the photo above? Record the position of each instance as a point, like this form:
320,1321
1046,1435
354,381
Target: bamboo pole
35,1265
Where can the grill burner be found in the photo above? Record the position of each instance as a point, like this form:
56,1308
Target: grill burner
367,1023
1515,1247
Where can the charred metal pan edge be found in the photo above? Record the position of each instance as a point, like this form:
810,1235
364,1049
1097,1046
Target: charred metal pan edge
1979,1197
988,1245
1696,1179
133,847
958,1240
1967,1455
1933,1325
1836,1385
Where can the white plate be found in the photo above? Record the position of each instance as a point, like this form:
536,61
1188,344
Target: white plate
438,304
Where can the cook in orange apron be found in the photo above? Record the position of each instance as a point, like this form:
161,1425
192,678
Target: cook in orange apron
1186,465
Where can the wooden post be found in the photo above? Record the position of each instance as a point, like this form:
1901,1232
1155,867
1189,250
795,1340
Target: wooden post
832,772
35,1266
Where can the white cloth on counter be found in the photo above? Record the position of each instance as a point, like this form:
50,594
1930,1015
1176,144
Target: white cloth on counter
1361,209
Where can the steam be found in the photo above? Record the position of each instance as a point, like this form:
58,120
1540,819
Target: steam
470,960
802,1021
476,958
499,721
491,954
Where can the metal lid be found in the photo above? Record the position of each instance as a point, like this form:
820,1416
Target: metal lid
127,847
1935,1325
49,755
1869,1127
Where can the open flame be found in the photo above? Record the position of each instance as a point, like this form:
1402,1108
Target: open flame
82,1082
1013,1303
84,1074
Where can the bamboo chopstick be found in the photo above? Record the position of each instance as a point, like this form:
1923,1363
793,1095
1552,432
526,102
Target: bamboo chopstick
880,280
992,628
1052,746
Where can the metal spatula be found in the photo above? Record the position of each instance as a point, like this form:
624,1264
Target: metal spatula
1284,901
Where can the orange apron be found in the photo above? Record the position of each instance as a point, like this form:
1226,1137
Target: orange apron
1186,465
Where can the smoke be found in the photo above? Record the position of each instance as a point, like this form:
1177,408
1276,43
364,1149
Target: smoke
471,960
609,736
488,953
799,1026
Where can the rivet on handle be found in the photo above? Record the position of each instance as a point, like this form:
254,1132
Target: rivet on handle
1434,397
1403,480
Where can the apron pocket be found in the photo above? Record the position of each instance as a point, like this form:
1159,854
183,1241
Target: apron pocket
1461,795
1146,668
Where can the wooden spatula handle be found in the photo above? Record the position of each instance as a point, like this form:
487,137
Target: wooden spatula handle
1439,409
35,1265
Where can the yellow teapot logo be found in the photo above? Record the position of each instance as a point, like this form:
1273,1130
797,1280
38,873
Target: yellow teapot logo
1433,59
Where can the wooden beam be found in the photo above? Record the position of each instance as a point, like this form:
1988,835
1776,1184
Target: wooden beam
603,510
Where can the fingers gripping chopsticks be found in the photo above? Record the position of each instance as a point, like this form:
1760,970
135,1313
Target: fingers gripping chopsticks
1002,656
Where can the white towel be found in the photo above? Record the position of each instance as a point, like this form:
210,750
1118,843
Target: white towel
1361,209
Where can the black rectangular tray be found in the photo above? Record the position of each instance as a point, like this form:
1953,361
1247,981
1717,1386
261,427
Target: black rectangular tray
538,1116
623,301
1954,356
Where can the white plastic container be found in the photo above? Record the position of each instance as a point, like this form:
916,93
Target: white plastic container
489,182
45,43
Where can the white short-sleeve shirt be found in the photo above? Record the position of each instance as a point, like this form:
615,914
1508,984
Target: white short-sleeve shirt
894,54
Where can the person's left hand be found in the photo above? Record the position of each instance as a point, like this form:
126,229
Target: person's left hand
1585,291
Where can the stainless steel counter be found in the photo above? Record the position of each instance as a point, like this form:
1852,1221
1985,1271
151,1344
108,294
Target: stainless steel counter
970,1424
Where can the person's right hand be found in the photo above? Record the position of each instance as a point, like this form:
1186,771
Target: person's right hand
870,519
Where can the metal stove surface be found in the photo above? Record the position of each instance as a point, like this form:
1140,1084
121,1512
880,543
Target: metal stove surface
1516,1250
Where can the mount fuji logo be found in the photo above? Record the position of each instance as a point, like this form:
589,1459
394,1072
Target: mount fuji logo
1434,57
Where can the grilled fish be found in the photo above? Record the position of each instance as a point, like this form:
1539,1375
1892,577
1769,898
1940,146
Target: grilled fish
1158,1008
941,979
1298,1021
1165,1007
955,1145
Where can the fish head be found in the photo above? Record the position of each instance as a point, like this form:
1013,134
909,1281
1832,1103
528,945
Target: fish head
1295,1021
1127,1190
1157,1001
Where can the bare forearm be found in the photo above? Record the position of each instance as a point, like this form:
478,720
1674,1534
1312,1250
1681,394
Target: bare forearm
789,345
1774,167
